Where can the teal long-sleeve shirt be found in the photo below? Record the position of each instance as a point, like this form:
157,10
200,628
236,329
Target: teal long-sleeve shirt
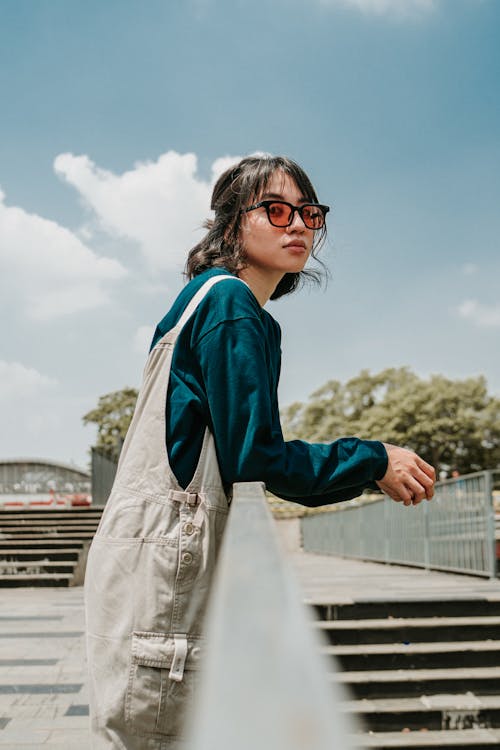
224,374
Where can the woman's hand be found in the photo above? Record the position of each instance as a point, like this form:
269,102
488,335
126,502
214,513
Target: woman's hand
408,478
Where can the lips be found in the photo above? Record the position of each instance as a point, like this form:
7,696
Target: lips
296,245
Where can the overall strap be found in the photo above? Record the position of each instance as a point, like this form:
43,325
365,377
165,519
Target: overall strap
197,298
144,465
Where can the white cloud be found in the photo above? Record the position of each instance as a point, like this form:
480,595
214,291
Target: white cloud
159,205
482,315
401,8
39,418
19,381
224,162
48,268
469,269
142,339
49,271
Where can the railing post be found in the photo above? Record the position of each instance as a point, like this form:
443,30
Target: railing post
490,523
427,544
387,521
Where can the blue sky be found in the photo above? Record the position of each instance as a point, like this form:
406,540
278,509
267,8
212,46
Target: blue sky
117,115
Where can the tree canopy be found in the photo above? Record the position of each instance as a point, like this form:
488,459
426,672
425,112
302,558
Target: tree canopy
112,416
452,424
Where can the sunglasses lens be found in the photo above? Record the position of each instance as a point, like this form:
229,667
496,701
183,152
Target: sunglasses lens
313,217
279,214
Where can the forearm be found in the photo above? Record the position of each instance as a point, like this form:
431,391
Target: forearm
311,474
249,442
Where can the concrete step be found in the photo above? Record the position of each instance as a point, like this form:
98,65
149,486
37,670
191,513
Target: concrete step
46,515
12,514
13,531
42,579
473,739
406,683
52,534
45,548
409,630
35,567
52,543
24,510
426,655
37,523
460,711
444,606
40,554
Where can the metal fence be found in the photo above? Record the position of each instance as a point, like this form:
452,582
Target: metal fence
103,476
264,684
453,532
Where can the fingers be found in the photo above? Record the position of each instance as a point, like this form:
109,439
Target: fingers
426,468
409,478
404,496
414,491
426,483
417,490
400,493
410,489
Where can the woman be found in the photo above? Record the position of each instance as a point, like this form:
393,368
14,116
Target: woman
207,416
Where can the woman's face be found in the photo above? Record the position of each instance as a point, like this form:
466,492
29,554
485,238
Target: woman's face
277,250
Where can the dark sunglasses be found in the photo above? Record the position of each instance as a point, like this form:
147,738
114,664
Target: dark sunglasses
281,213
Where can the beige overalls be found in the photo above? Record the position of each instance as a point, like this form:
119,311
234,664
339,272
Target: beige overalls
148,576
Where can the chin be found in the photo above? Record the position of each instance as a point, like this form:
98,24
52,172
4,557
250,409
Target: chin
296,267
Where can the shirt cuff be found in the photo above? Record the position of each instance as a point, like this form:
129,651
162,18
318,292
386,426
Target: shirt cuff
380,458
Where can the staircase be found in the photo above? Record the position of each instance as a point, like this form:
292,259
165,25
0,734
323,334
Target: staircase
421,674
45,548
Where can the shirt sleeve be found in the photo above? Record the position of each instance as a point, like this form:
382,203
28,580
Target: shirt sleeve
244,419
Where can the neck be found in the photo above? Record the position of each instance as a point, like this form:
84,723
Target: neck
261,284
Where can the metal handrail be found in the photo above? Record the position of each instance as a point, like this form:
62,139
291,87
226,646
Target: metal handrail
455,532
264,684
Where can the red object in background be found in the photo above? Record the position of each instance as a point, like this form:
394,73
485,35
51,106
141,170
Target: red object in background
79,499
50,500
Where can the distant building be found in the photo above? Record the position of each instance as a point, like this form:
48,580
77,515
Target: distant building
38,482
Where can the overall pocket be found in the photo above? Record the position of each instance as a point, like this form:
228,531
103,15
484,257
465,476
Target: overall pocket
161,683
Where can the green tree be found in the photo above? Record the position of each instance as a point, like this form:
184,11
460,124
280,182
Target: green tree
450,423
112,416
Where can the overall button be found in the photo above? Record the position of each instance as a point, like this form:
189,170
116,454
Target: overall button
188,528
187,558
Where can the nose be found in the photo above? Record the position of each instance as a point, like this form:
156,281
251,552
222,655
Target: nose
297,224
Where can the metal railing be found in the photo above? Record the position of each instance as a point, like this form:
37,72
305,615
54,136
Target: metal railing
264,684
454,532
103,475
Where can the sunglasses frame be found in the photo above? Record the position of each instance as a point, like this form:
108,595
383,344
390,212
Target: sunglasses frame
267,203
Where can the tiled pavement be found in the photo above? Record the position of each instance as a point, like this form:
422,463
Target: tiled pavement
43,697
